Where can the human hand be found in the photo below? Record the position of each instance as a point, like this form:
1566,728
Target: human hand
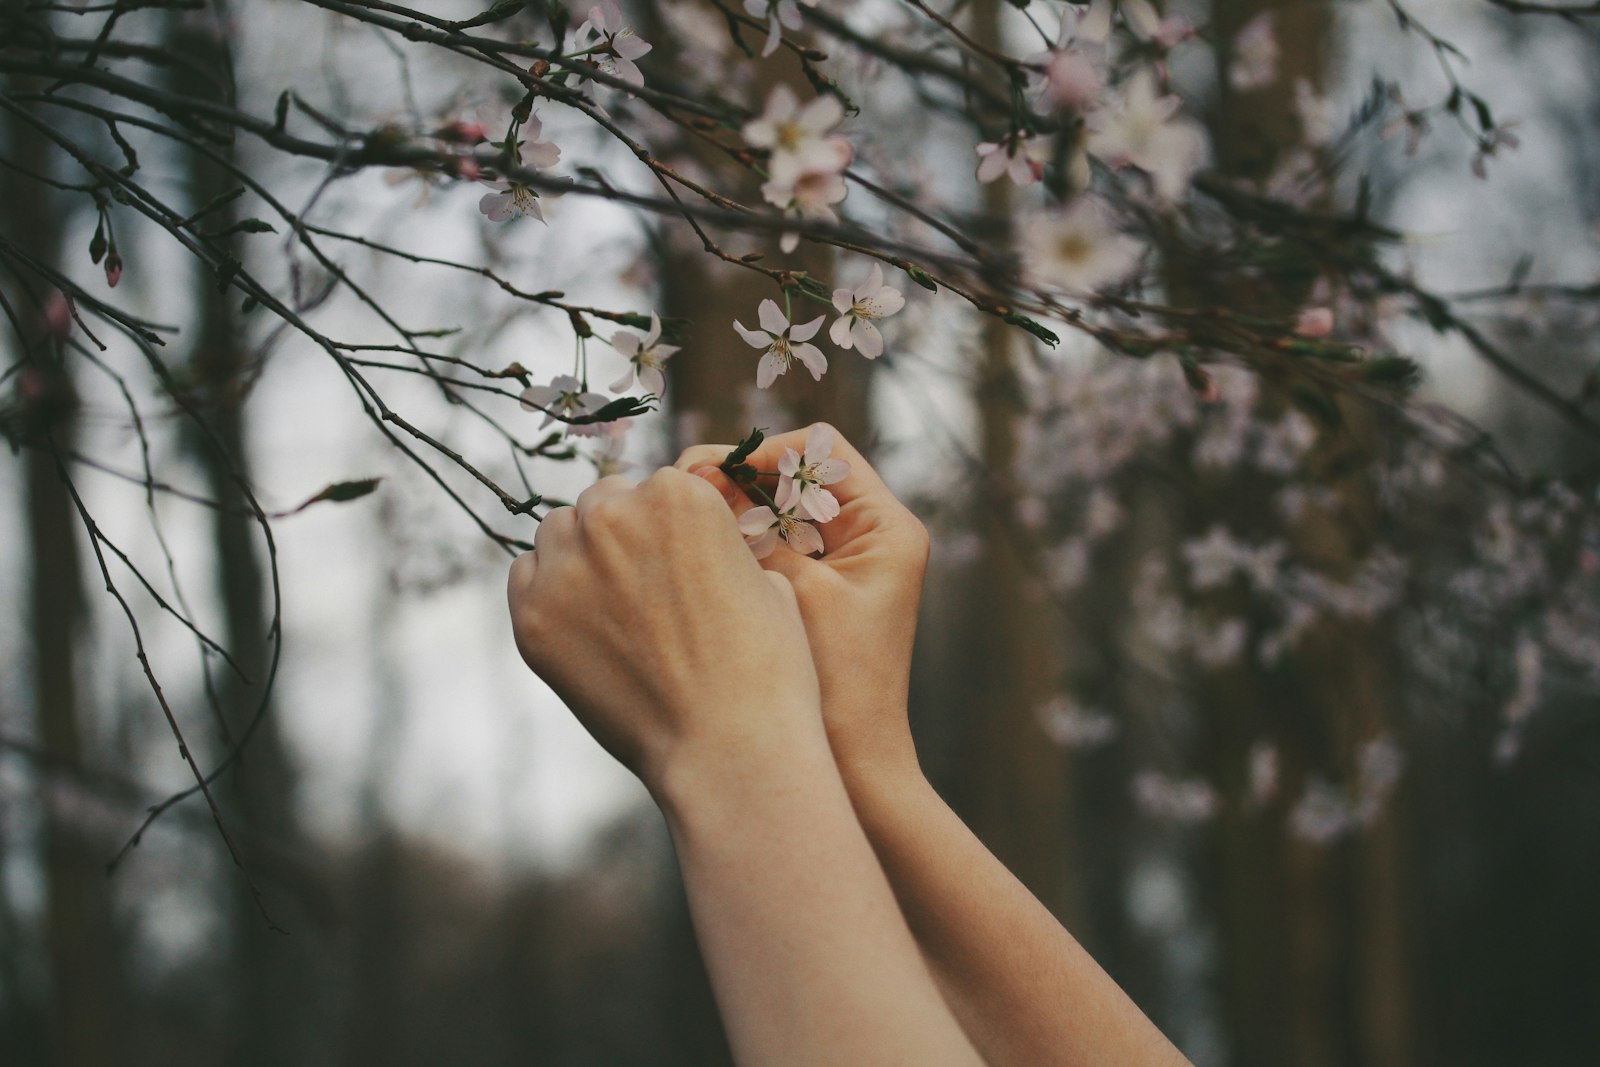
643,609
859,600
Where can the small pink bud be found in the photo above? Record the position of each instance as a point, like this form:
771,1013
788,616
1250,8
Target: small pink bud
468,169
1314,322
58,314
113,269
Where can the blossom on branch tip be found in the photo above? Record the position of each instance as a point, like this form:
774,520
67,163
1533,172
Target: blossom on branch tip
1141,126
783,343
1021,157
799,136
763,528
614,46
801,478
1070,74
1255,55
563,398
516,198
645,357
858,307
810,196
780,14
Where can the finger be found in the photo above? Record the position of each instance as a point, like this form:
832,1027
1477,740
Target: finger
521,576
555,532
604,489
702,456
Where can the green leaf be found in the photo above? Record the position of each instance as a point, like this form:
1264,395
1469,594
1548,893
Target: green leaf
743,450
337,493
1397,371
921,277
498,12
1047,336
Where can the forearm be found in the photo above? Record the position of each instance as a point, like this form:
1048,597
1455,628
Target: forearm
809,956
1024,990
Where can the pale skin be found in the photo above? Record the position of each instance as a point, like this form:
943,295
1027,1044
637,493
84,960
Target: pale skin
846,915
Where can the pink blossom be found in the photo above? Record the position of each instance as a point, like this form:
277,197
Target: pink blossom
1314,322
563,398
781,14
1140,126
858,308
783,343
763,528
1020,157
615,46
1255,55
801,479
645,357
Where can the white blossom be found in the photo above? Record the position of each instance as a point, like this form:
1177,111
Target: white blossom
858,309
783,343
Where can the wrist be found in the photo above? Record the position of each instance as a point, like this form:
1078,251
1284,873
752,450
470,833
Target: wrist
764,748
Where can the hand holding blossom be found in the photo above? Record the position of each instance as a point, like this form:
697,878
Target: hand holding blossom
860,600
642,609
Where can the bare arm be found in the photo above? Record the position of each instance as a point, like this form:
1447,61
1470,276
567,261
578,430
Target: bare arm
644,610
1023,989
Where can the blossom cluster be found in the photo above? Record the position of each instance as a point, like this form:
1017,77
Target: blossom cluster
783,342
802,498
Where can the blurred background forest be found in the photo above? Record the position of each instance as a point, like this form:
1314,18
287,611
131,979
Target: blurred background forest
1290,716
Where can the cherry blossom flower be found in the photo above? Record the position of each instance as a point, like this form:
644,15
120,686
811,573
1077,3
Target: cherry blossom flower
645,357
858,307
1072,726
801,478
780,14
615,45
1070,75
1079,248
784,344
800,137
763,528
1314,322
1018,156
563,398
515,198
1255,55
1140,126
809,196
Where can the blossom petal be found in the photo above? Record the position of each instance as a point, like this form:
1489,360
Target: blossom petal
789,463
992,166
625,343
762,546
768,369
873,283
819,503
842,299
820,440
654,333
804,538
653,381
869,342
772,320
839,332
805,331
774,34
538,396
788,493
757,521
753,338
886,301
624,383
812,357
830,470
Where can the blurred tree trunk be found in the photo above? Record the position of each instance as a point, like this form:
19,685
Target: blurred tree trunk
274,992
1011,784
79,936
1316,965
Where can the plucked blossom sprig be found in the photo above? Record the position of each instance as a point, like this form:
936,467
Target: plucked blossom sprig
802,498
